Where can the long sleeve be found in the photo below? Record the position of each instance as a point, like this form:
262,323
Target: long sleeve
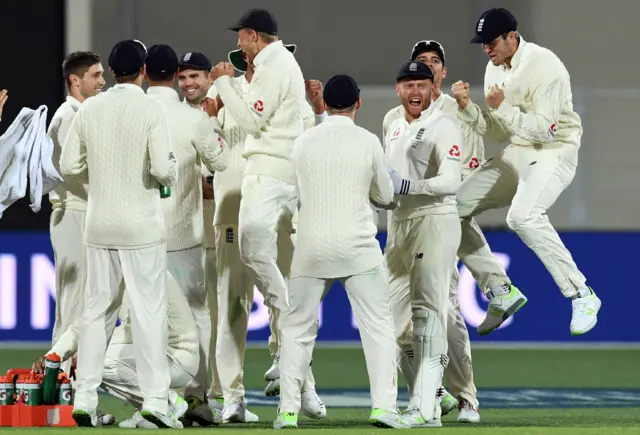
163,161
449,139
73,159
210,144
483,122
67,345
539,124
381,193
254,109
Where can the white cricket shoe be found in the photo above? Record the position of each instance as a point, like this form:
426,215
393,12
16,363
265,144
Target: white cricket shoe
413,418
585,313
467,413
274,371
85,418
503,303
177,405
447,402
238,413
161,420
273,388
137,421
312,406
105,419
286,420
385,419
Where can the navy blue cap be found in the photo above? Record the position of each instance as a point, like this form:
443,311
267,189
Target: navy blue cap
127,57
161,59
260,20
340,92
493,23
414,71
237,59
195,60
427,46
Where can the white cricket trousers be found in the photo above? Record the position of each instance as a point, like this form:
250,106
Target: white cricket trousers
120,377
266,203
143,272
66,228
420,256
67,239
235,299
529,180
211,286
370,300
187,266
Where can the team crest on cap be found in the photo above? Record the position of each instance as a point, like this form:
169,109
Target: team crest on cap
187,57
480,25
413,67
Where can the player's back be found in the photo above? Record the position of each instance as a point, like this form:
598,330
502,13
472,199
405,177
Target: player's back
334,165
124,208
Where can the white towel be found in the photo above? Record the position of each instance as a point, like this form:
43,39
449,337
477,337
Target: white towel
27,150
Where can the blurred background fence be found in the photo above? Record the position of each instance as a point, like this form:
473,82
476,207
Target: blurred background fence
598,215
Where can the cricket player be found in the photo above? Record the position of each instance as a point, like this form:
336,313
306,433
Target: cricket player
84,77
423,150
121,140
235,279
194,81
336,241
270,114
529,99
196,137
459,371
120,378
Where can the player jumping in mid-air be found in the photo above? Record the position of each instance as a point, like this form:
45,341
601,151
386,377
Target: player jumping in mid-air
528,94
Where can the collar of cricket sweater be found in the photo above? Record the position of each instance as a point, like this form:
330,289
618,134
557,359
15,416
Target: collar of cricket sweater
517,57
339,119
126,87
426,113
268,51
163,92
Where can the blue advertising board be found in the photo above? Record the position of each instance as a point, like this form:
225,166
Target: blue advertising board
27,292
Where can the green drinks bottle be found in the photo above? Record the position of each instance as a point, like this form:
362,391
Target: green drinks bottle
165,192
50,378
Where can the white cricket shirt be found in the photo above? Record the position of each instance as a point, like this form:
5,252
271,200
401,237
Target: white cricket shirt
427,152
121,140
339,167
270,112
538,106
196,138
72,194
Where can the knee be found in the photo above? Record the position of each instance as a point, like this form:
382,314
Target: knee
520,221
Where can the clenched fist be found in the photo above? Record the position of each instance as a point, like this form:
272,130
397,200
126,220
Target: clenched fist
460,91
3,99
221,69
314,94
210,106
495,97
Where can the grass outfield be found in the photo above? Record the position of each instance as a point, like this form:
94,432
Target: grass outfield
597,371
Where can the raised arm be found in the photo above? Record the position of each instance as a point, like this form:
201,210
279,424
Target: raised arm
210,144
73,158
163,161
253,110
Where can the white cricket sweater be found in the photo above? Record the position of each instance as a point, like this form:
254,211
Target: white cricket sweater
227,184
181,326
196,138
472,153
339,167
122,140
538,106
270,112
426,152
72,194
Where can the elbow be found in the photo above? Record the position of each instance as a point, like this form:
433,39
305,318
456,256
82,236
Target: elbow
455,186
